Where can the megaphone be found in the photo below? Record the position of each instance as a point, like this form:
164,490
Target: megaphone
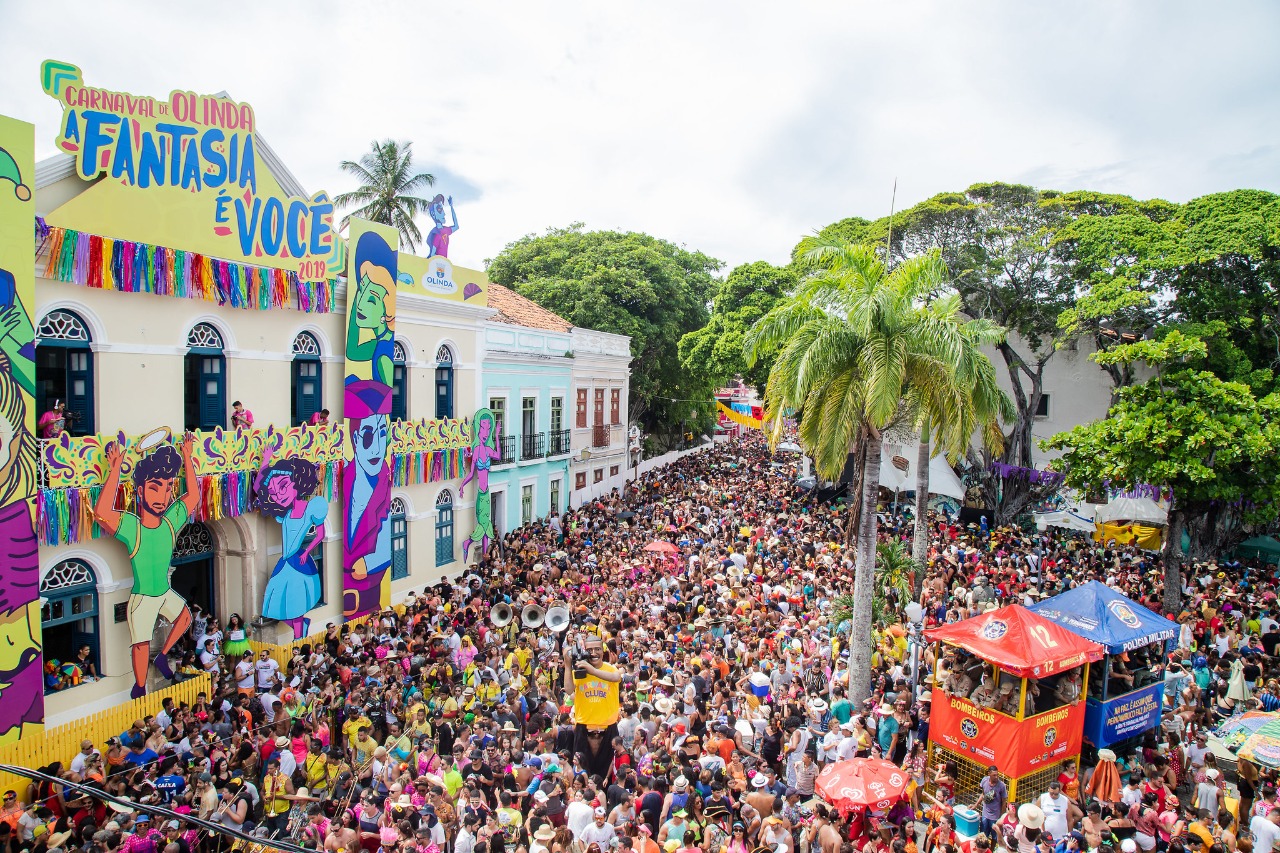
532,616
501,614
557,618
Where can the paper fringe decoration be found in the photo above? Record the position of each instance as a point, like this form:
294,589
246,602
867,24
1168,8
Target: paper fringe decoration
738,417
129,267
1031,475
428,466
66,515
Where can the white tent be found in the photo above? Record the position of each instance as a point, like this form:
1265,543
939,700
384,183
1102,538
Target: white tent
1064,519
942,480
1140,510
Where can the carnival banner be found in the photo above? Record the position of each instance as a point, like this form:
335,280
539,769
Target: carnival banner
367,397
1124,716
21,662
1016,748
424,435
185,172
438,277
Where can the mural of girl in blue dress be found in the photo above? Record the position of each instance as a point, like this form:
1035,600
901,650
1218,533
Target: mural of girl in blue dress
484,452
285,490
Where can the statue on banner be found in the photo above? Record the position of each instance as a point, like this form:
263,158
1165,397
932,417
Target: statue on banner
367,398
485,431
150,533
286,490
438,236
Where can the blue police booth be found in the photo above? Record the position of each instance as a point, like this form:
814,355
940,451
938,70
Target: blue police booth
1097,612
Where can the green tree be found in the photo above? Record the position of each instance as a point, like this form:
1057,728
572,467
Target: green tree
1213,442
855,340
1000,243
747,294
388,182
628,284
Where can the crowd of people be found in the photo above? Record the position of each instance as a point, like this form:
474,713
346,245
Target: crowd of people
688,707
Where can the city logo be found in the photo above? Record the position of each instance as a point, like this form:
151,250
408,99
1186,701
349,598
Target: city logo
439,277
1125,614
1050,735
995,629
968,728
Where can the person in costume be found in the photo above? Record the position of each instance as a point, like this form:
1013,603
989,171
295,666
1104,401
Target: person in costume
237,638
285,489
366,489
370,337
485,431
150,536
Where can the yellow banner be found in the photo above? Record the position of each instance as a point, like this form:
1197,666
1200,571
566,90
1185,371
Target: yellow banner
184,172
738,417
21,688
438,277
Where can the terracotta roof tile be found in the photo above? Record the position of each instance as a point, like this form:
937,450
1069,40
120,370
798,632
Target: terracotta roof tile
519,311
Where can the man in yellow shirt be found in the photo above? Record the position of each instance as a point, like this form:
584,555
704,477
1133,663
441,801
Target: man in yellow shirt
486,690
596,708
355,722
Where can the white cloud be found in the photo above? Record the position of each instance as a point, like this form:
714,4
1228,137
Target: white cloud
733,128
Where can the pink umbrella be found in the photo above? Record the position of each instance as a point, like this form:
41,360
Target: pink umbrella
862,783
660,546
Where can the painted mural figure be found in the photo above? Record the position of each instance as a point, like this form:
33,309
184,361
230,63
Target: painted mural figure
375,262
21,690
485,431
285,489
150,536
438,236
366,489
17,335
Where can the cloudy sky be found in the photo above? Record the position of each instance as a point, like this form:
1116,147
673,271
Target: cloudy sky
733,127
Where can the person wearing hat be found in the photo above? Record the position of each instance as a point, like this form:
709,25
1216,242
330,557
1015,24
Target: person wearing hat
542,839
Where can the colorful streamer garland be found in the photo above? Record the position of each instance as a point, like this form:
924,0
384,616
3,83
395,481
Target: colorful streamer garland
129,267
428,466
66,515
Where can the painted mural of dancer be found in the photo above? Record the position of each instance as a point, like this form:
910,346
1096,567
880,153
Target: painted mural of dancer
485,431
285,489
438,236
150,535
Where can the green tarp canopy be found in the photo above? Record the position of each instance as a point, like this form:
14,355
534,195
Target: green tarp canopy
1266,547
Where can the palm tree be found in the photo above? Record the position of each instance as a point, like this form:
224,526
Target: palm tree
893,585
984,404
855,342
387,183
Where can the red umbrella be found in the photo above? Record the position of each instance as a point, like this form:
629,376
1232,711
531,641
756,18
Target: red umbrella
660,546
862,783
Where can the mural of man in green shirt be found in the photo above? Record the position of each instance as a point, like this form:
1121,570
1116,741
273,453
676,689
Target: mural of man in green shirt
150,535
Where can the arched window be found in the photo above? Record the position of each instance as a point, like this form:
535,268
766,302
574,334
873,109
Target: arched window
399,540
444,382
64,371
444,528
205,386
193,573
307,391
69,621
399,382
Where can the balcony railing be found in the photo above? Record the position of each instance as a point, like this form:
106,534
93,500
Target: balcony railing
507,444
600,435
559,443
531,445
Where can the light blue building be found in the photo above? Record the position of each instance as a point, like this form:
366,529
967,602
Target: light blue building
526,380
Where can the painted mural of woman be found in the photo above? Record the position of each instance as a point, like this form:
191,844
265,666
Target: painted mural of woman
485,431
370,337
285,489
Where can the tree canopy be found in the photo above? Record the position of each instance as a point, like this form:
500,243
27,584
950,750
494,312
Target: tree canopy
715,351
625,283
388,181
1212,441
